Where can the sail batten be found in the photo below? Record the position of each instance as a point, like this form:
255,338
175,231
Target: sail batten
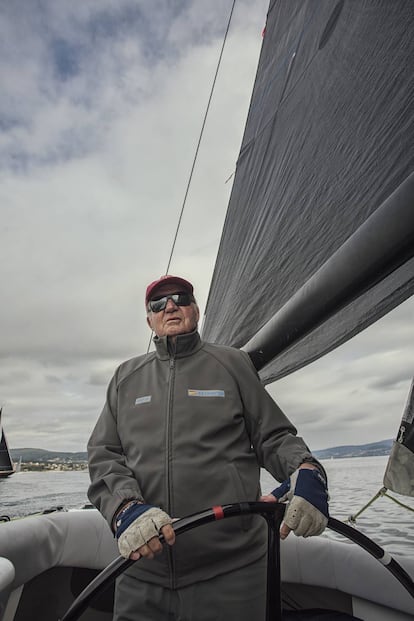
329,138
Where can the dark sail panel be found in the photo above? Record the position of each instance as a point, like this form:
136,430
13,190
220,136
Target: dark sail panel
329,139
382,244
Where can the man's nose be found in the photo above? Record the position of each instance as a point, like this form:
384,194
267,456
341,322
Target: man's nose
170,306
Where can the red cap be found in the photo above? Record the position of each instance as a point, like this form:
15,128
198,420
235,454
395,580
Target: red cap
167,280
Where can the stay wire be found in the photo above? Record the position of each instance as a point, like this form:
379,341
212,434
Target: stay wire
200,136
198,146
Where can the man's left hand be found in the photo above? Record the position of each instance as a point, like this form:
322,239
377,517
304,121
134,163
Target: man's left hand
307,495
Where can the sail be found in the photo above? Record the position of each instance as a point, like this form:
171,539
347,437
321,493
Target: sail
399,473
6,462
309,244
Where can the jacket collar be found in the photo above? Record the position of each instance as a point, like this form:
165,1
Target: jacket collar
185,345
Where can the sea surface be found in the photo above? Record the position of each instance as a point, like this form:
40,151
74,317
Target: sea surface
352,483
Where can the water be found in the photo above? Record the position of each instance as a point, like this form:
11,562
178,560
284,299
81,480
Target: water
31,492
352,483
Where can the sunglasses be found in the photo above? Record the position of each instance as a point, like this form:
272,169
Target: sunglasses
179,299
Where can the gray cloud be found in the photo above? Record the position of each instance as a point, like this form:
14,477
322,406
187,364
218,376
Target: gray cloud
357,393
100,108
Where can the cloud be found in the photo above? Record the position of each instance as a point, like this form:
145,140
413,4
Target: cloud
357,393
101,107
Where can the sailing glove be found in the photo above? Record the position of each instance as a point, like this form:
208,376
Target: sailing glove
137,524
306,492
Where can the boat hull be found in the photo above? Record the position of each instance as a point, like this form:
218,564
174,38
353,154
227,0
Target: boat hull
60,553
3,475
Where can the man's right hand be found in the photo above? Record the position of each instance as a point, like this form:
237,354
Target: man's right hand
138,528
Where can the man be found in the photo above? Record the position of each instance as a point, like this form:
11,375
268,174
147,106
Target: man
185,428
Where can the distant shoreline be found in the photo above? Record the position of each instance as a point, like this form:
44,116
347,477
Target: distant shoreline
53,467
33,459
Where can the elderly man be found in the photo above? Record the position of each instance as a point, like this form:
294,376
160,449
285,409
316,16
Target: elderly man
184,428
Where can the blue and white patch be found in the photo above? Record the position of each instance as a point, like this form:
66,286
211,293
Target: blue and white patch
141,400
192,392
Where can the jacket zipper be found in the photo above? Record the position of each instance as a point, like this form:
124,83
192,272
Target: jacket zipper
168,473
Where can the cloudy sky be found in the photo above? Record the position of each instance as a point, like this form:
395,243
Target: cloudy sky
101,106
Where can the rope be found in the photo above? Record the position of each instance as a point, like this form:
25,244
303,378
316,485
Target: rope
197,147
382,492
200,137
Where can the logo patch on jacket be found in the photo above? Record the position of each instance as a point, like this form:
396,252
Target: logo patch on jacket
141,400
192,392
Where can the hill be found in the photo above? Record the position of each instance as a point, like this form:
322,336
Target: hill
355,450
337,452
41,455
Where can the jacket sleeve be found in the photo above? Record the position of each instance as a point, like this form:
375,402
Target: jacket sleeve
274,438
111,480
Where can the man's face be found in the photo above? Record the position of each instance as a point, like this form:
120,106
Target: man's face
173,320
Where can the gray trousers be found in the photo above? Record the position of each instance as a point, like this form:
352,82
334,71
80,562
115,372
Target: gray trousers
236,596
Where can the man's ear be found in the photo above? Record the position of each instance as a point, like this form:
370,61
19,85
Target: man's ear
149,322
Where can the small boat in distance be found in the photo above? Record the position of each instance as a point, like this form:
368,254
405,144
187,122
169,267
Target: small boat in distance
7,466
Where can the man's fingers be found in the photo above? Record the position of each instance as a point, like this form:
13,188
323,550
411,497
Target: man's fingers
135,556
145,551
268,498
148,550
169,534
154,545
284,531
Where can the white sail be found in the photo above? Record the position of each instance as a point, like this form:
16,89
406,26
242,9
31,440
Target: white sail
399,473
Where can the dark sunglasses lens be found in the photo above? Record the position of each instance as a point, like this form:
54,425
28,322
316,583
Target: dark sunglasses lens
180,299
158,305
183,299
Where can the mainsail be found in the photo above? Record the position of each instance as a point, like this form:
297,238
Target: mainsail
327,151
6,462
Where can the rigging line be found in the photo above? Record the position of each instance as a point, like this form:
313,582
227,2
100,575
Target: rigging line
198,146
381,493
200,136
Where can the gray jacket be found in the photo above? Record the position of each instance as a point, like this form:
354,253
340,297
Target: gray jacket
186,430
